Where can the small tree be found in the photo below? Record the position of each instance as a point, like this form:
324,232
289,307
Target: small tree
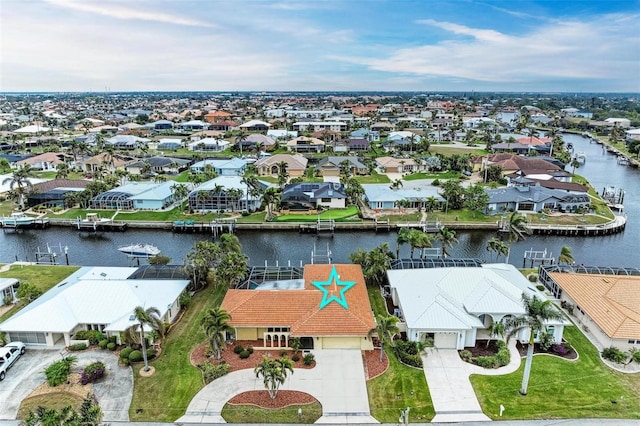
215,325
150,317
386,329
295,344
274,372
496,330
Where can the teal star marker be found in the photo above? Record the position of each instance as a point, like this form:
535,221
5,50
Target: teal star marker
325,288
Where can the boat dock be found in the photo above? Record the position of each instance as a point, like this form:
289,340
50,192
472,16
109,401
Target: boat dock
430,226
35,224
110,226
215,227
319,227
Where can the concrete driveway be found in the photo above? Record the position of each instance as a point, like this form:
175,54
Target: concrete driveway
337,382
454,399
113,393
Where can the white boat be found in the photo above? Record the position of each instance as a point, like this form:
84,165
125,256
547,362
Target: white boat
581,157
140,250
16,220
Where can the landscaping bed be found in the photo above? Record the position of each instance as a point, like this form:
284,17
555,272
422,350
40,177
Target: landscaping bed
198,356
373,367
554,350
261,398
481,348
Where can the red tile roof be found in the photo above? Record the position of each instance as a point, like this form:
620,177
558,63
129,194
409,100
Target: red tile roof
300,309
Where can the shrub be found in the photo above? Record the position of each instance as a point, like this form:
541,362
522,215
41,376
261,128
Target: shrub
283,352
408,353
308,359
559,349
635,355
503,356
151,353
546,340
113,339
487,361
58,372
184,300
103,344
244,354
111,346
92,372
540,287
435,182
238,349
295,358
533,278
466,355
78,347
210,371
93,336
209,352
250,349
124,354
135,356
614,354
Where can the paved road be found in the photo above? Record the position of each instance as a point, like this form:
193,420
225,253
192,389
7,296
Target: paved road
113,393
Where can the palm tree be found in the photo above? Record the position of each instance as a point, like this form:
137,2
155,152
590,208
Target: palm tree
386,329
516,230
146,317
274,373
566,256
62,171
402,238
498,247
20,184
574,164
537,313
448,239
283,174
496,330
271,197
215,323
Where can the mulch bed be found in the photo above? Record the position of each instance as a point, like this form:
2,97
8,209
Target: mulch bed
372,365
481,348
536,350
261,398
235,363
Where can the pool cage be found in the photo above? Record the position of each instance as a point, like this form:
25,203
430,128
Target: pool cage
112,200
217,200
260,274
546,279
435,263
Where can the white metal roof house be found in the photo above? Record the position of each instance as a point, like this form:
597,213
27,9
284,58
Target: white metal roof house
209,144
92,298
457,305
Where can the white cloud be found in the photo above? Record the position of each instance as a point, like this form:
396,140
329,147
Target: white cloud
117,11
598,50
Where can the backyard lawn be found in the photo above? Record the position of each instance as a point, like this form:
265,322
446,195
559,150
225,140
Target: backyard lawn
165,396
42,276
585,388
339,215
424,175
375,177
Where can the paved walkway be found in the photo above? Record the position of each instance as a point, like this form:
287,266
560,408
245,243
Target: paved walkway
337,382
454,399
113,393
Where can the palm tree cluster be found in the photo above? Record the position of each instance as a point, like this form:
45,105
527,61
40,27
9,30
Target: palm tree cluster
224,260
374,263
19,184
150,318
274,372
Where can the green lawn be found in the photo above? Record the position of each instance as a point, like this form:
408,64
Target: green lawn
42,276
165,396
562,389
374,177
400,386
289,415
257,217
160,216
452,149
336,214
424,175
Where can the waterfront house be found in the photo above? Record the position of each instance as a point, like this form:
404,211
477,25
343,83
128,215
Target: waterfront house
162,165
381,196
223,167
306,196
325,306
135,196
227,193
92,298
455,306
331,166
305,144
535,199
296,165
604,300
52,193
208,145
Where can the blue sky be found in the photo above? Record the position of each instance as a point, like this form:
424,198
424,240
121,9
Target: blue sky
343,45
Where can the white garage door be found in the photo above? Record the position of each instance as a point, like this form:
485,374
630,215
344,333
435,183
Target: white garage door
445,340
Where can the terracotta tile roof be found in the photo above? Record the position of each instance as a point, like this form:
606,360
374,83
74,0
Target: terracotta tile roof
611,301
300,309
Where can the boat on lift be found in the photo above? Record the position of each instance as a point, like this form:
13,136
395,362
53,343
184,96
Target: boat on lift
17,220
140,250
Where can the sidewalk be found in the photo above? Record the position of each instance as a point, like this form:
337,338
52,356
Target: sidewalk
454,399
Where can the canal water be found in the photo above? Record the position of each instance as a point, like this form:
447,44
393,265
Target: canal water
601,169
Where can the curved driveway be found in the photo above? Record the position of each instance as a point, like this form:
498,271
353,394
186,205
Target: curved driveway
337,382
113,393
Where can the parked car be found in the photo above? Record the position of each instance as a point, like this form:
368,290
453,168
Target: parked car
9,354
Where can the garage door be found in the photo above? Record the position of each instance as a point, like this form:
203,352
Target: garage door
341,343
445,340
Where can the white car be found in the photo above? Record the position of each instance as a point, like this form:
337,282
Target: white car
9,354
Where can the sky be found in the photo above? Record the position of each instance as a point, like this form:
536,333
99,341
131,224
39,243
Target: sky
320,45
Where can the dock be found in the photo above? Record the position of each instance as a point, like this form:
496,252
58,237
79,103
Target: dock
319,227
429,226
215,227
36,224
107,226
